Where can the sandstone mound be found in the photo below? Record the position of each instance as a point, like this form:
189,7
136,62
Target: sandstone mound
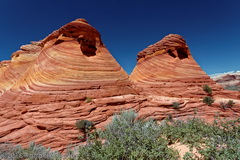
71,59
45,85
168,68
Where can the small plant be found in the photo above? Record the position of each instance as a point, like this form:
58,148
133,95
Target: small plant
207,89
169,117
85,126
208,100
176,105
225,105
195,111
33,152
88,99
230,103
188,156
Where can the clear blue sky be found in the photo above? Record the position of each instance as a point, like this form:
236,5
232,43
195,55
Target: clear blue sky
210,27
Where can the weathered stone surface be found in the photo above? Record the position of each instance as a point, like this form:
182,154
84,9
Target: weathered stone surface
168,68
21,61
71,59
45,85
70,75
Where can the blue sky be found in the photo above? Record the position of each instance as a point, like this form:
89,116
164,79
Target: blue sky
210,27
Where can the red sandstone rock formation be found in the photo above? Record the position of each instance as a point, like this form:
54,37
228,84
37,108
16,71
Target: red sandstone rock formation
3,66
57,73
168,68
45,85
71,59
12,70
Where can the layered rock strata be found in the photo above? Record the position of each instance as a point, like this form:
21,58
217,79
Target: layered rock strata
46,82
168,68
21,61
70,75
71,59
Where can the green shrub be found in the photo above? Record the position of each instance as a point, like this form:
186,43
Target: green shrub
129,139
186,132
176,105
188,156
220,140
84,125
88,99
169,117
207,89
208,100
230,103
33,152
225,105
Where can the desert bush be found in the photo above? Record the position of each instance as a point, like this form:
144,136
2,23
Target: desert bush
33,152
207,89
220,140
169,117
230,103
84,125
225,105
208,100
225,144
127,138
185,132
88,99
176,105
188,156
71,153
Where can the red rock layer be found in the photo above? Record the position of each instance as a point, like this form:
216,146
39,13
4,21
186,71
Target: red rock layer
167,68
3,66
46,82
53,77
72,64
12,70
53,124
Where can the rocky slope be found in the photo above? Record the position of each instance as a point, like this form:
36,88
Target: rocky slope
70,75
168,68
230,81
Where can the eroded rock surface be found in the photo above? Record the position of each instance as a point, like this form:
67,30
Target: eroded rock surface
21,61
168,68
70,75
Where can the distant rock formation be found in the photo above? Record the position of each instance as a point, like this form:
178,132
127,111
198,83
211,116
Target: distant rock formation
70,75
230,81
